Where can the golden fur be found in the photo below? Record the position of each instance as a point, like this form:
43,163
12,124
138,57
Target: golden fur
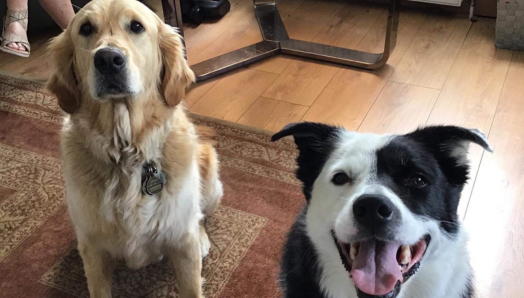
106,141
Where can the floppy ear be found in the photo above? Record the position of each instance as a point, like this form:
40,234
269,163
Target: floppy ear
449,145
177,74
63,82
315,142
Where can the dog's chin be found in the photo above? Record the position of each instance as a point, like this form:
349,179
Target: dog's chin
378,268
113,91
391,294
108,87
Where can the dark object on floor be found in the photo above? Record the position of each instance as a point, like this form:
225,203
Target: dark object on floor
195,11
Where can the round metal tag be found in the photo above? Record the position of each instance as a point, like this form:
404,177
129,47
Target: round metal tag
153,185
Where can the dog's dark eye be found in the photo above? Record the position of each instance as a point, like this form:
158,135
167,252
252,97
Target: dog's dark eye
340,178
86,29
136,27
417,181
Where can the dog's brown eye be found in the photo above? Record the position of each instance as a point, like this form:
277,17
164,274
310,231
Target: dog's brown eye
340,178
86,29
136,27
417,181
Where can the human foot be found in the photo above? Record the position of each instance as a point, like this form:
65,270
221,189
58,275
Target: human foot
16,29
14,37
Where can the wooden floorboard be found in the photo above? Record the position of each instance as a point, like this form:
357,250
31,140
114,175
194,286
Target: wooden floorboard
472,90
244,33
276,64
310,17
351,93
198,90
432,53
200,37
400,108
350,25
233,95
495,217
301,82
272,115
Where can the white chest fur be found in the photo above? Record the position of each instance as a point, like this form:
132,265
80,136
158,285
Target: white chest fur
105,200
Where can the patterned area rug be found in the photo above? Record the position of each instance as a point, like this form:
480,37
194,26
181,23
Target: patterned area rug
38,256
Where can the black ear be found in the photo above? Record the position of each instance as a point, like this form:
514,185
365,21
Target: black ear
315,142
449,145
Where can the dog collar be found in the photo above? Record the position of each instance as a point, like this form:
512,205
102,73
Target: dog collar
153,181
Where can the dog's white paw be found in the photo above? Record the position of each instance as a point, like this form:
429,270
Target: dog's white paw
205,246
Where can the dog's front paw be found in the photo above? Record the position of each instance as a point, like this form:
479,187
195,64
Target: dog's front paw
205,245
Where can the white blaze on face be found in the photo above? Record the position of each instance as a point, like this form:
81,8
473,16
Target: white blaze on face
331,206
354,155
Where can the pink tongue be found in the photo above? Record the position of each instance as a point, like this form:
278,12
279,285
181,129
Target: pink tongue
375,270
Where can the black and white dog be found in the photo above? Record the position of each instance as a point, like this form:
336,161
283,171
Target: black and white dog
381,215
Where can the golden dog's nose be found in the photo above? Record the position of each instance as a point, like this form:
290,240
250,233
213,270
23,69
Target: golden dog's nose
109,61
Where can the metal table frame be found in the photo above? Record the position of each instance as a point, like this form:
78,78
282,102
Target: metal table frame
276,40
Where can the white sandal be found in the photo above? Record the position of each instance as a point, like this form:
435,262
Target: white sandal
8,38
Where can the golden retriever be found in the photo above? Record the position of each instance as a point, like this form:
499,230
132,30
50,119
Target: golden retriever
120,74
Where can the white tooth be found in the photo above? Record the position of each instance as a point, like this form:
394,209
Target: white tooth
405,255
353,251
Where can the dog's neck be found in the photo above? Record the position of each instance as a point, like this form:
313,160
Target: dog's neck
123,150
126,129
122,135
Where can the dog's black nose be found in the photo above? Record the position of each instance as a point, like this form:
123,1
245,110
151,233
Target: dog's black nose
109,61
374,211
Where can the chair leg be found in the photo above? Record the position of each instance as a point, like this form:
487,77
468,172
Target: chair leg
276,40
173,14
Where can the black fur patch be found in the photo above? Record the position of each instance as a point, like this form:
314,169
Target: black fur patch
440,140
399,161
429,152
300,273
315,142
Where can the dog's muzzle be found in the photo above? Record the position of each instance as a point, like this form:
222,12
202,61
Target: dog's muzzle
376,216
111,73
378,263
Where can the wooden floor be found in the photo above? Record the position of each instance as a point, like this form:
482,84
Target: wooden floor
444,69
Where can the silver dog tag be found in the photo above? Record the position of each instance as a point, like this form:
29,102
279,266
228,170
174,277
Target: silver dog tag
153,182
152,186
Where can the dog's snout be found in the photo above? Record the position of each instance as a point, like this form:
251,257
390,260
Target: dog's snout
374,211
109,61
